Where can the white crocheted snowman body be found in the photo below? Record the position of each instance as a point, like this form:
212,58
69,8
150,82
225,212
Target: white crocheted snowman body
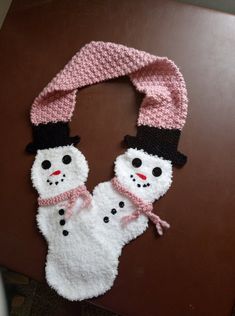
79,265
73,249
147,177
84,250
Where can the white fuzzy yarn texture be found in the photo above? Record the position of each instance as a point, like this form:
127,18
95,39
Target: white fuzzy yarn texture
84,263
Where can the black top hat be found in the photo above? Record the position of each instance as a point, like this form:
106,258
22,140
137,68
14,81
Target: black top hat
51,135
157,141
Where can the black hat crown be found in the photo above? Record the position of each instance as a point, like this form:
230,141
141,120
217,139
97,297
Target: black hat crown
157,141
51,135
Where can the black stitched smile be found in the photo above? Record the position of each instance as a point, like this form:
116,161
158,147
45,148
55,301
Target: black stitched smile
139,185
57,181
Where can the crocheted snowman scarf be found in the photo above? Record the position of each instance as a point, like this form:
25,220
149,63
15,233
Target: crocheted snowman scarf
86,233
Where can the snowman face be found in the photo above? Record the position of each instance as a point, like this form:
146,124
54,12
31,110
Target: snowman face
147,176
57,170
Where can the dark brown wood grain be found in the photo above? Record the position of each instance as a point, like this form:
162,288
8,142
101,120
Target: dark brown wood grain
191,269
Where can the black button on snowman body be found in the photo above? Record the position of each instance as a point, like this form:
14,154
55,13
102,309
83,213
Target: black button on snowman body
62,222
106,219
113,212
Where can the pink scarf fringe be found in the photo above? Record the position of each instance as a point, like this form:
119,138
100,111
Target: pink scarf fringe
70,196
142,208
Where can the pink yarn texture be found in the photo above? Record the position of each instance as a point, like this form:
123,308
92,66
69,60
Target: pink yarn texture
165,101
70,197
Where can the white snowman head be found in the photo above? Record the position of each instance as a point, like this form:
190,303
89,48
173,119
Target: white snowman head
57,170
148,177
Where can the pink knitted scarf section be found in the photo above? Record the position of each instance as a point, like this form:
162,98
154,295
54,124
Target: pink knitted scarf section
158,78
142,208
70,196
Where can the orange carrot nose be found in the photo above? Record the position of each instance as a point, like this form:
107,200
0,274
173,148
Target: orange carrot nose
142,176
56,173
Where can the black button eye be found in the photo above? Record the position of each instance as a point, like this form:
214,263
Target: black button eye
157,172
136,162
46,164
66,159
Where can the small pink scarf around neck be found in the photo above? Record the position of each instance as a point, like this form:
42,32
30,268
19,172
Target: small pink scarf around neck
70,196
142,208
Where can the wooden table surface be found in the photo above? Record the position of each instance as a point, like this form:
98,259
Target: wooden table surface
191,270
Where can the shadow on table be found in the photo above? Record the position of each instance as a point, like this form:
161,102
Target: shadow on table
26,297
225,5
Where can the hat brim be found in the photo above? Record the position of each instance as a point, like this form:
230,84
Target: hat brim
177,158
